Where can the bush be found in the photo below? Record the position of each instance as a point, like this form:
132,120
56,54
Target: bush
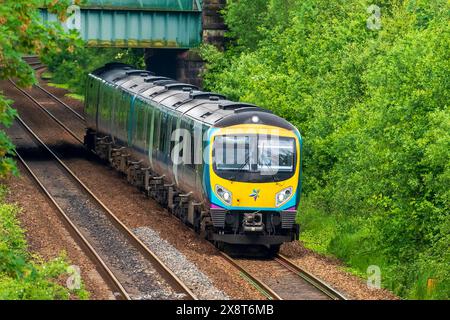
372,106
21,275
21,32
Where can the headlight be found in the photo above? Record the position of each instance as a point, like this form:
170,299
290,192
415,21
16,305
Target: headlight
224,194
283,196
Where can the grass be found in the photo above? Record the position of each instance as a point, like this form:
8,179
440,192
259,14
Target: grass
47,75
65,86
317,228
75,96
59,85
24,276
353,240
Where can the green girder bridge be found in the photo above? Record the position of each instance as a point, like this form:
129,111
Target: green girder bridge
175,24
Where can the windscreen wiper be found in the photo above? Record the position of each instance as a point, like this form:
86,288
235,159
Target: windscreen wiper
267,164
247,160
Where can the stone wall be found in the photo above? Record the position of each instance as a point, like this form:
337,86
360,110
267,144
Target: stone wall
187,65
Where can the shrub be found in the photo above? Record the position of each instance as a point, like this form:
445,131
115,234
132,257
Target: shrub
372,106
21,275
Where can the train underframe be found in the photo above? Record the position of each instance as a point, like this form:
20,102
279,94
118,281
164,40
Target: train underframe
261,228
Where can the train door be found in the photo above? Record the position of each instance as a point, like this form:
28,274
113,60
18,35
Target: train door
142,127
131,124
140,120
107,108
102,102
156,138
164,141
123,105
188,147
197,156
174,153
150,133
91,102
99,92
115,99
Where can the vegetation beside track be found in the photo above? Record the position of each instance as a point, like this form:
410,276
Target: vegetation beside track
372,106
23,32
22,275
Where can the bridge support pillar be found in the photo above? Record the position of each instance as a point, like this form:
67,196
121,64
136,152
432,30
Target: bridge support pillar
189,67
213,24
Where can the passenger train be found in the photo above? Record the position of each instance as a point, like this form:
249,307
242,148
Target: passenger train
230,170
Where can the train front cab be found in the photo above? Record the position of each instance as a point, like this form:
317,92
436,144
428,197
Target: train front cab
254,184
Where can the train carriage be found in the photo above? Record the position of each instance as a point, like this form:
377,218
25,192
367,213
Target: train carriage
239,177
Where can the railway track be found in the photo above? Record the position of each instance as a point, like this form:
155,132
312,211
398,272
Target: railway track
293,282
106,273
62,103
56,114
310,278
127,264
34,62
281,279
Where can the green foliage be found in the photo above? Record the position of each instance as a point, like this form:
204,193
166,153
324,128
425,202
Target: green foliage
372,106
72,68
317,227
23,32
23,276
249,21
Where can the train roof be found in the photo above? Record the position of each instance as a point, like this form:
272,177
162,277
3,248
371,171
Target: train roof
210,108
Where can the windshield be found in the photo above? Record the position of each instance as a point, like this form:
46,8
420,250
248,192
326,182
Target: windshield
254,158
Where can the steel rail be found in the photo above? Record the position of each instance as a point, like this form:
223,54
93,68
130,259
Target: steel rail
46,111
159,266
65,105
264,289
311,279
256,282
103,269
41,66
51,95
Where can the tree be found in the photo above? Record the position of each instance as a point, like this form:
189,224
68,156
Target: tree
372,107
22,31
